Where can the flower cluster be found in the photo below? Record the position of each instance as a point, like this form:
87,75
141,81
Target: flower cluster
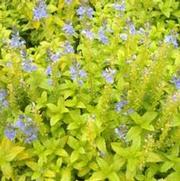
176,82
68,29
3,101
88,34
108,74
40,11
102,37
24,127
121,131
84,11
77,74
16,41
171,39
119,6
119,105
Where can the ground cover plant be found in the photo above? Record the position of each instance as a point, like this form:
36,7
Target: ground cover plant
89,90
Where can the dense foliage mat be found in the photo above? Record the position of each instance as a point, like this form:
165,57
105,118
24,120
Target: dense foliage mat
89,90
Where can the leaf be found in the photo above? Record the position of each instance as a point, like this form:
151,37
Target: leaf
73,143
166,166
74,156
7,170
131,169
119,150
97,176
101,144
13,152
55,119
61,152
149,116
136,118
153,157
66,174
49,174
133,133
175,176
113,177
53,108
102,164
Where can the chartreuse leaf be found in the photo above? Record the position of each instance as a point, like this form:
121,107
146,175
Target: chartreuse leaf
41,102
131,169
145,120
73,143
66,174
56,111
173,176
7,170
97,176
101,144
154,157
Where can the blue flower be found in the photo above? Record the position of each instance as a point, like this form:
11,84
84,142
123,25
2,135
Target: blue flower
77,74
108,74
171,40
81,11
121,131
89,12
119,106
28,67
16,41
68,48
120,7
176,81
3,102
88,34
123,36
102,37
132,29
85,11
48,70
40,10
20,124
68,29
3,94
27,128
10,132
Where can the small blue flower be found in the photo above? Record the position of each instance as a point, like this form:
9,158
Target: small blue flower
48,70
16,41
123,36
3,94
121,131
68,48
68,29
119,106
176,82
3,102
20,125
81,11
10,132
132,29
40,11
88,34
85,11
120,7
28,67
171,40
108,74
77,74
102,37
89,12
